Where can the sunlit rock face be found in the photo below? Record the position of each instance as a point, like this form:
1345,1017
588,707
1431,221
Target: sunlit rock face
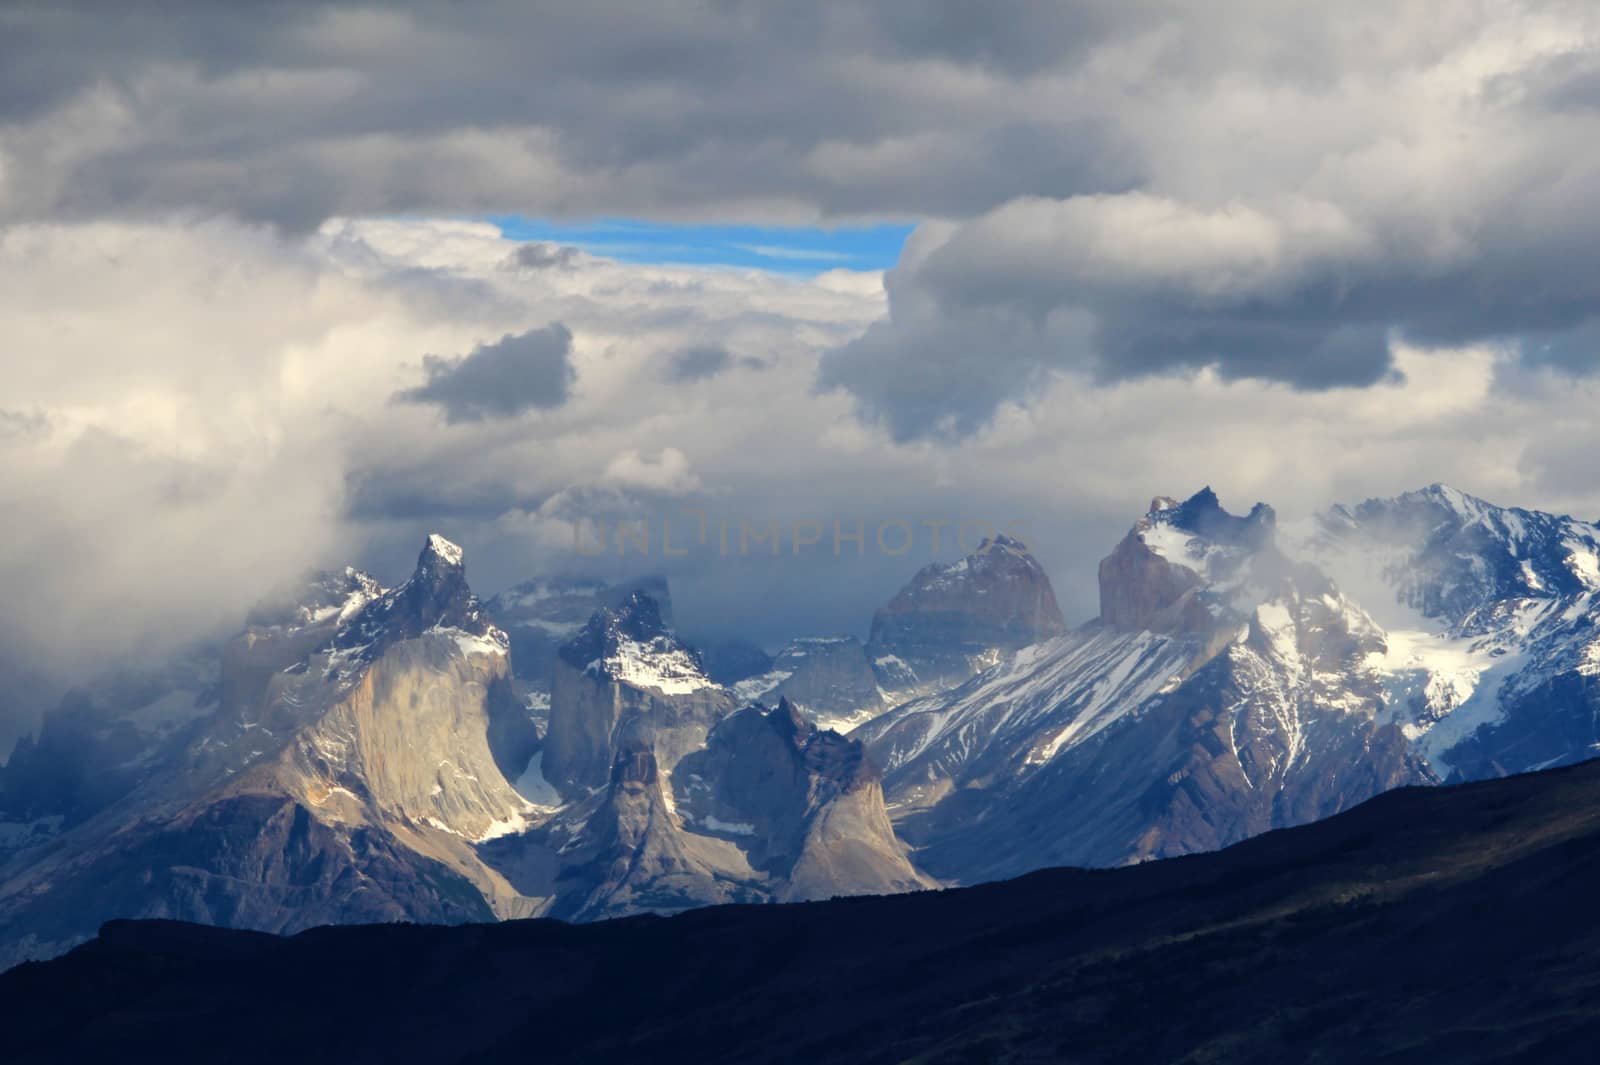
366,754
341,770
626,680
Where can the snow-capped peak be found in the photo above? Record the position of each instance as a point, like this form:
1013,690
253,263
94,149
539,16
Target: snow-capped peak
447,552
1448,555
632,644
1454,498
1202,537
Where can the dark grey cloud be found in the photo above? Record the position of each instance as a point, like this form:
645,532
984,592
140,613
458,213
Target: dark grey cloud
698,363
1128,189
1308,284
19,423
942,377
705,361
541,255
293,112
1150,194
515,374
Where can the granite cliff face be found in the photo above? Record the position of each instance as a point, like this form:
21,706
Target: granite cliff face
362,754
626,681
340,774
804,804
954,618
1150,581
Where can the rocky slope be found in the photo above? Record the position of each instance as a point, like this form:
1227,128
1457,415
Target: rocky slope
1428,925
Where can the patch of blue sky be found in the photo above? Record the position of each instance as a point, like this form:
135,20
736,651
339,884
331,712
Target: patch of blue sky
783,249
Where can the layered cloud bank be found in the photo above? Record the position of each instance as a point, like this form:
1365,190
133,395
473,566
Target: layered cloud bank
1272,191
196,411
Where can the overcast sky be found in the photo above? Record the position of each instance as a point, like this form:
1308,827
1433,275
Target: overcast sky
285,284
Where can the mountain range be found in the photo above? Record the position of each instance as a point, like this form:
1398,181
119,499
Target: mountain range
1426,925
363,754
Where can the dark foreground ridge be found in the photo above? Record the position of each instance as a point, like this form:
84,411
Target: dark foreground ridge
1451,924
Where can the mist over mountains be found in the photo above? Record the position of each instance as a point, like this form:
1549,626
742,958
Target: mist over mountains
364,753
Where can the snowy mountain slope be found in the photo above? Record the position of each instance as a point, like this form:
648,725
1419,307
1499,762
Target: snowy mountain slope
361,753
1241,678
1017,715
1225,689
1491,612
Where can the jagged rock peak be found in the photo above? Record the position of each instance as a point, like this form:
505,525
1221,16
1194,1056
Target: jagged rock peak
439,551
1453,554
1203,515
954,617
318,597
637,618
435,597
1002,542
544,612
632,643
440,565
996,558
1182,564
791,722
437,593
835,763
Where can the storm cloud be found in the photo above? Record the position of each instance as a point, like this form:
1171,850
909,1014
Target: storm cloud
1277,192
1298,252
511,376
